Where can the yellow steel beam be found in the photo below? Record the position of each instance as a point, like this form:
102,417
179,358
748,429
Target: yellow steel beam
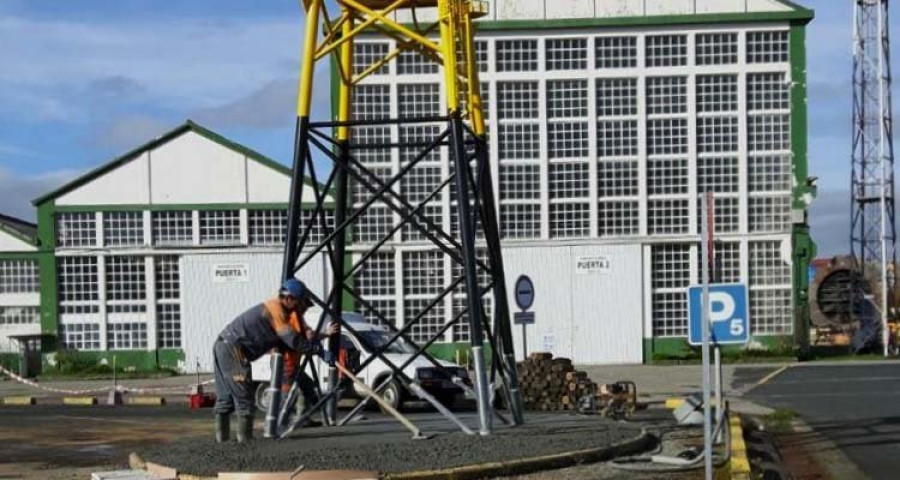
366,23
307,68
345,87
411,34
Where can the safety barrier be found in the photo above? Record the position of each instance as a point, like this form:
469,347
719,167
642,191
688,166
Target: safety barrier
186,389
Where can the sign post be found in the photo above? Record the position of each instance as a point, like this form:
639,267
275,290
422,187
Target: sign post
705,233
524,299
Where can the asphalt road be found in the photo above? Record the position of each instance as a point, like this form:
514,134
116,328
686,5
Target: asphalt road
855,406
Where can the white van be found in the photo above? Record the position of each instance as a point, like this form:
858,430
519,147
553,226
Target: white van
431,379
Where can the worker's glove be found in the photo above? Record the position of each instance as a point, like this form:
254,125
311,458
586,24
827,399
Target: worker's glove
328,357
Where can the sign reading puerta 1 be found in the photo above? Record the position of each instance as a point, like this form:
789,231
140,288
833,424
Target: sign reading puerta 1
728,314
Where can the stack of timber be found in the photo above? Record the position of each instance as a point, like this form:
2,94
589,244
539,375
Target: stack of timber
551,384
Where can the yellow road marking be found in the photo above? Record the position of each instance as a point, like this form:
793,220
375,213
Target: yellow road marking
772,375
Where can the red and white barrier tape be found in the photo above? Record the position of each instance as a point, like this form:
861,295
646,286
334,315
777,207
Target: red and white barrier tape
183,389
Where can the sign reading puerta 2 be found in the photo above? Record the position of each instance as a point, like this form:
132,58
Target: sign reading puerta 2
728,314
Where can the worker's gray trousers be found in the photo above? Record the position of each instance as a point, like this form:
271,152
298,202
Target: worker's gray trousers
234,382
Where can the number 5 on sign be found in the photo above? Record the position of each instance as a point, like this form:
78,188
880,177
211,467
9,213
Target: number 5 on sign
728,314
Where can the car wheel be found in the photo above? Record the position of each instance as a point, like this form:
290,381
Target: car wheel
392,394
263,397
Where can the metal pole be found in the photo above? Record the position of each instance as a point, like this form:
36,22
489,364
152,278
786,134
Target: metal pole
524,343
704,320
884,177
717,360
276,361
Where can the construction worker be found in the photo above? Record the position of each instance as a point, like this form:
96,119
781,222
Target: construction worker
248,337
292,361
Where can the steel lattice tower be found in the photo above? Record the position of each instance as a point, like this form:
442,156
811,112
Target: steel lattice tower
330,30
872,230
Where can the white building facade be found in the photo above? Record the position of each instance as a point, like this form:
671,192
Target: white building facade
606,121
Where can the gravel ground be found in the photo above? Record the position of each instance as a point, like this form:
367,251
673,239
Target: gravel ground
381,445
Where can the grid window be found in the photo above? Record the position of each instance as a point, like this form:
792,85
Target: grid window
518,100
666,50
717,174
373,225
717,134
766,264
78,281
520,142
419,182
770,173
727,266
668,216
617,138
566,53
481,55
671,265
79,336
619,218
520,220
666,95
567,139
125,279
768,91
121,229
461,330
717,93
771,312
432,213
429,323
717,48
168,325
365,54
483,276
423,273
20,315
617,178
76,230
371,102
667,176
667,136
567,98
520,182
769,132
267,227
415,138
569,180
615,52
173,228
616,97
168,278
19,276
369,144
517,55
385,307
413,62
126,336
317,232
220,227
767,47
568,220
361,194
770,214
376,276
669,314
726,215
419,100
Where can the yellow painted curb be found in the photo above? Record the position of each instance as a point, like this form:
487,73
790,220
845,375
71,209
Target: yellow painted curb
20,401
674,402
81,401
146,401
739,465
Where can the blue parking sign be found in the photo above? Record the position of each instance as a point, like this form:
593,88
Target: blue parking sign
728,314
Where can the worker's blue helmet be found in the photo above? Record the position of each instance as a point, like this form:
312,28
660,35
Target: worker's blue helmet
296,289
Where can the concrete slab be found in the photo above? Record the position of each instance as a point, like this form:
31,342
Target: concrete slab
382,444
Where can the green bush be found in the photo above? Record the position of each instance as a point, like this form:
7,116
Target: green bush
71,362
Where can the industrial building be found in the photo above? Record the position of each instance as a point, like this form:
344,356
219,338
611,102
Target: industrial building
607,119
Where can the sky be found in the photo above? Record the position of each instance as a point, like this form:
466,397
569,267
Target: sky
84,81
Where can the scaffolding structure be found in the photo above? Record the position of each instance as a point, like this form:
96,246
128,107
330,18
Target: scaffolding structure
330,35
872,230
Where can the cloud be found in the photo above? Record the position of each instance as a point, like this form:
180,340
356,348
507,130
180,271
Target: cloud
17,191
115,87
127,132
273,105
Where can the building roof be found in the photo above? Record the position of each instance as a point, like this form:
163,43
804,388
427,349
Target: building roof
187,126
19,228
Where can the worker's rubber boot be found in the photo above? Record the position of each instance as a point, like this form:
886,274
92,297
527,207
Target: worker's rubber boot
244,428
223,427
